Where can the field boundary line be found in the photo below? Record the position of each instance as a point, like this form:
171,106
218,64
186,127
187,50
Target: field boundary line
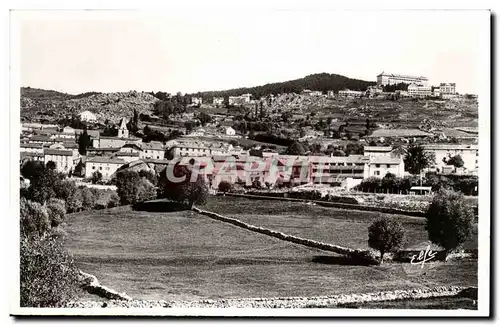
363,256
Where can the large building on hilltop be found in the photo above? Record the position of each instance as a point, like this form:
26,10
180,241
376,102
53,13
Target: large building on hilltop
392,79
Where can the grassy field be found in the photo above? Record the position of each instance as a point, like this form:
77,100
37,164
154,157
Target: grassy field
185,256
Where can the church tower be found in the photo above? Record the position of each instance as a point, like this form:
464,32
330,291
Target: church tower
123,131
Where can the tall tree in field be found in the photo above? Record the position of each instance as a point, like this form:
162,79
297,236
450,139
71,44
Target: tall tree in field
449,220
296,148
386,235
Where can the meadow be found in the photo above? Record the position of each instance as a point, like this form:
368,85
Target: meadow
181,255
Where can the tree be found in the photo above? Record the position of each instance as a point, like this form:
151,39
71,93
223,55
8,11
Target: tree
204,118
34,218
354,149
149,175
126,184
56,208
96,177
225,186
386,235
417,159
32,169
42,186
296,148
456,161
449,220
83,142
48,275
194,192
51,165
145,191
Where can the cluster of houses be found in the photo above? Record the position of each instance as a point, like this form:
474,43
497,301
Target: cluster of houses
107,154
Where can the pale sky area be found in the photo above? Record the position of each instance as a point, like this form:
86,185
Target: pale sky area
107,51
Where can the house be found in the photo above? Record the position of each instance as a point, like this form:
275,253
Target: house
114,142
333,169
31,148
218,101
105,165
392,79
352,94
418,90
88,116
196,100
443,152
31,156
230,131
379,166
66,146
65,160
152,150
127,156
190,148
404,134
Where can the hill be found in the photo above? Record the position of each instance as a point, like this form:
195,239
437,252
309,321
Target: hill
48,105
318,82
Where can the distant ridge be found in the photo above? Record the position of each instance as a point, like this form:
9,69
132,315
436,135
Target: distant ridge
317,82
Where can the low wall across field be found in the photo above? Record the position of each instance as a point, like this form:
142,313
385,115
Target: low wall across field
323,203
363,257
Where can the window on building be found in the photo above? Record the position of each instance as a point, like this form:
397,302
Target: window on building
100,168
377,172
377,165
388,165
93,167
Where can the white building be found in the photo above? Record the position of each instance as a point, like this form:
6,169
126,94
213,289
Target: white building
190,148
379,166
349,93
153,150
196,100
123,130
436,92
443,152
448,88
218,101
391,79
415,90
31,148
88,116
65,160
230,131
242,99
105,165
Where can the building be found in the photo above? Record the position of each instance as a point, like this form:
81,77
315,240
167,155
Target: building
218,101
88,116
417,90
190,148
105,165
330,94
65,160
379,166
378,151
122,130
31,156
436,92
443,152
349,93
196,100
391,79
400,134
230,131
116,142
31,148
448,88
127,156
152,150
312,93
239,100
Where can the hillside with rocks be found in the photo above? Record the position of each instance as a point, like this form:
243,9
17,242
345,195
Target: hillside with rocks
42,105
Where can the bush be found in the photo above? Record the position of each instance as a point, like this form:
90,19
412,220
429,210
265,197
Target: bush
114,200
225,186
150,175
34,218
386,235
48,277
56,209
145,191
449,220
96,177
126,183
88,200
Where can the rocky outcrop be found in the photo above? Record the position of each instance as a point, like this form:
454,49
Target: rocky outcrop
92,285
363,257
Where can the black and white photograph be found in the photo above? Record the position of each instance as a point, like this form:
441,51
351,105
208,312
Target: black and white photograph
210,161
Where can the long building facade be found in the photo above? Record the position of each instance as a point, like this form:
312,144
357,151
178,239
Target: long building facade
392,79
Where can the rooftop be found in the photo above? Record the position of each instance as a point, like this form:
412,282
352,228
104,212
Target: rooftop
399,133
451,146
101,159
61,152
27,145
377,148
385,160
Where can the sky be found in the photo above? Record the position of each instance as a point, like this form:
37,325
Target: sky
201,50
